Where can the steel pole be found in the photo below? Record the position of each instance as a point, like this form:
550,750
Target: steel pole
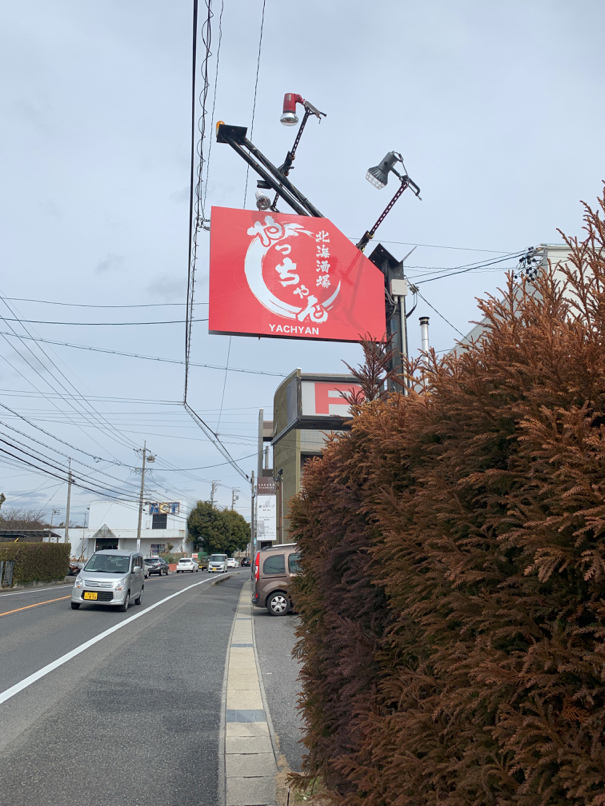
68,507
252,523
141,497
404,344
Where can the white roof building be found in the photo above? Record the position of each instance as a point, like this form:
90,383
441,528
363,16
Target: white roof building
113,525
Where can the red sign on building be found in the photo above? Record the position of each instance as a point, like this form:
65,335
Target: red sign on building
290,276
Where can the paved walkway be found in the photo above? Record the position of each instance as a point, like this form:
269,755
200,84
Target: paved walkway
250,755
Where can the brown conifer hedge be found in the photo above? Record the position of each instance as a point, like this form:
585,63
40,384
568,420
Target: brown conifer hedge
453,596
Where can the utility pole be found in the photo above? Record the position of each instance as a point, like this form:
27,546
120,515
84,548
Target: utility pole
213,491
234,496
67,508
252,522
149,458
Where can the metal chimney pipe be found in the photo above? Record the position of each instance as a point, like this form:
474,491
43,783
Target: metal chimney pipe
424,333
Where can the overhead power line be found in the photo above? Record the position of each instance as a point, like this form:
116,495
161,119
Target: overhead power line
471,267
143,357
197,218
91,305
54,372
97,324
260,48
440,314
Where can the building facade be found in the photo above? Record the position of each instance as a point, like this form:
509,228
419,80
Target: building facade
306,409
113,525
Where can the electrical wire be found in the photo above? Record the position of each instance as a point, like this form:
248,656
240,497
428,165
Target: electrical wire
143,357
61,453
440,314
99,324
90,305
471,267
440,246
260,47
218,62
104,426
220,413
60,395
197,212
197,217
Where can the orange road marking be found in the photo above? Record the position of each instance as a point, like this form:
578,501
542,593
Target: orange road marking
35,605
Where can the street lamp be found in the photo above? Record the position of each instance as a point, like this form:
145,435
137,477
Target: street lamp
379,176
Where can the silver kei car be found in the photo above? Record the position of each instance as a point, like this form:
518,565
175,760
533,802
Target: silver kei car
110,577
217,564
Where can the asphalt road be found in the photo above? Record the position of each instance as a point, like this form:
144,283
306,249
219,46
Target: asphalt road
133,719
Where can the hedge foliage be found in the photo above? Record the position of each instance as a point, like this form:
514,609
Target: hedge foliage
453,545
37,562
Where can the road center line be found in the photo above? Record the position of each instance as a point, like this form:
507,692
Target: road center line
10,692
36,590
49,601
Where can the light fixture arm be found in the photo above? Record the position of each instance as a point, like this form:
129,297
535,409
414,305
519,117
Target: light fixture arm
405,183
290,156
235,136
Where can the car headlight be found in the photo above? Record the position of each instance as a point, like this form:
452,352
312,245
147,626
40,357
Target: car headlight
79,583
119,585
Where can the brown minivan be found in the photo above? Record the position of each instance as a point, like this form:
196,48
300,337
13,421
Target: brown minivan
273,571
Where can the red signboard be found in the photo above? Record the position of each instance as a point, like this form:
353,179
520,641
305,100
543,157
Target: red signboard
290,276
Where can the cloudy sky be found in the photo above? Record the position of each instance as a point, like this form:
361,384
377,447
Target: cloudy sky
496,107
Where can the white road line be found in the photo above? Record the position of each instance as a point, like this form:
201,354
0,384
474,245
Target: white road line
37,590
10,692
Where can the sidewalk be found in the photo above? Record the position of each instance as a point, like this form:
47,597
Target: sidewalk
249,751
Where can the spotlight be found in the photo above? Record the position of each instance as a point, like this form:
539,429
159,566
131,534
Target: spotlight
379,175
289,116
262,202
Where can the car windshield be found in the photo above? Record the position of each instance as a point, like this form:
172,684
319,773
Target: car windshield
152,560
108,563
218,558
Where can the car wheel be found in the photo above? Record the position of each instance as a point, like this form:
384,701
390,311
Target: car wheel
124,607
277,604
139,598
75,606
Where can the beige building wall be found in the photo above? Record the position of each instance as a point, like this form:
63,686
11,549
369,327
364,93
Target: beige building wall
291,451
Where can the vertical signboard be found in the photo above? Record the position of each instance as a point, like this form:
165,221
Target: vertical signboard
266,510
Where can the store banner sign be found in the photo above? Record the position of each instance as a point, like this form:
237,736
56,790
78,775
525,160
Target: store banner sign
290,276
325,398
164,508
266,517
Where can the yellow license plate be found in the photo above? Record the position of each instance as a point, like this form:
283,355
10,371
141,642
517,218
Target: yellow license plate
88,595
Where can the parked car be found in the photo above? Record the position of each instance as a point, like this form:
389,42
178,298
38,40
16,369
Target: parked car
187,564
245,563
274,569
217,563
156,565
110,578
231,563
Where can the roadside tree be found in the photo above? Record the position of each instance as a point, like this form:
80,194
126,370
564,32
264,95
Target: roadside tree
217,531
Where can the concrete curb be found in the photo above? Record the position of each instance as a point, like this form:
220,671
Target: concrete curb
249,750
